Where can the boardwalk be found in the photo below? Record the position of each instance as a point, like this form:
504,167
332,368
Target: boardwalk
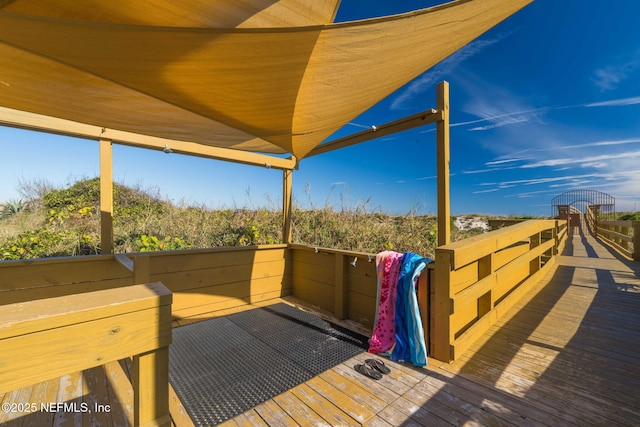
566,355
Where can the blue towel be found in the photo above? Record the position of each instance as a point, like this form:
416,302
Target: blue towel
410,344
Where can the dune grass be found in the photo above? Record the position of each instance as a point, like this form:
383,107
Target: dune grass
66,221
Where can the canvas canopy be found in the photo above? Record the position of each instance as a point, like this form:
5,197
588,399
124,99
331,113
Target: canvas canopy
264,76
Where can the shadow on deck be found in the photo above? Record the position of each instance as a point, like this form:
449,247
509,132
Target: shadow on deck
565,355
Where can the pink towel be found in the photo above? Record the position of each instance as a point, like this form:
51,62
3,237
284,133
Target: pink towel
384,336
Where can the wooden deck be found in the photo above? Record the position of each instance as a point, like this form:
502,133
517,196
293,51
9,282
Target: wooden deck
566,355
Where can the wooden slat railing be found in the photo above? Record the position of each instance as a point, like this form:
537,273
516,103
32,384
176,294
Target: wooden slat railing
50,337
479,278
344,283
207,282
622,235
341,282
591,219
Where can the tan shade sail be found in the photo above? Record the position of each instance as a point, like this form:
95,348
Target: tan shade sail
184,13
266,89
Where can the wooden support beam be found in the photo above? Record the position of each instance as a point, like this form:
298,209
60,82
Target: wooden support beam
287,209
410,122
106,197
141,269
150,380
40,123
443,156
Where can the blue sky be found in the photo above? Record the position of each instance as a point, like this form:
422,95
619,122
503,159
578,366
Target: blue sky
546,102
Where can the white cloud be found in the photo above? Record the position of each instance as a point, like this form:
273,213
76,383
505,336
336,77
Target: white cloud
502,161
609,77
486,191
446,66
581,161
616,102
597,165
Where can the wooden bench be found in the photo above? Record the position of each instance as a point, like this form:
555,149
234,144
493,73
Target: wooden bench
47,338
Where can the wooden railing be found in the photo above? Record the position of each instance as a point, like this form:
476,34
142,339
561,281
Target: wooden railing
203,281
622,235
477,279
29,279
208,282
344,283
340,282
591,220
49,337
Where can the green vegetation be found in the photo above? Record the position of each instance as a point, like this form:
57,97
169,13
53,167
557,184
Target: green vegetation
67,222
11,208
629,216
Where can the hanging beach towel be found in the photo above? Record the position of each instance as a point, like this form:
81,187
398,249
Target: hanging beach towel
388,267
409,335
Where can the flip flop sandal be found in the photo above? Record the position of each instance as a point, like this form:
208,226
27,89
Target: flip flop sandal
378,365
368,371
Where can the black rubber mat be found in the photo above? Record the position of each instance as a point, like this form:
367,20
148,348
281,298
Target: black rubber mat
223,367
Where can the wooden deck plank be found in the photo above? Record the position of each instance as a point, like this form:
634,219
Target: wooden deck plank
403,411
47,393
481,392
355,409
12,416
272,414
579,370
299,411
444,400
250,419
322,406
70,390
355,390
377,421
120,394
95,393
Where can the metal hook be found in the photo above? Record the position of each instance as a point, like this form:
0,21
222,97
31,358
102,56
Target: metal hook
354,261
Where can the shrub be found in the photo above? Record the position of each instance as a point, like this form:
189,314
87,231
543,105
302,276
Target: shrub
11,208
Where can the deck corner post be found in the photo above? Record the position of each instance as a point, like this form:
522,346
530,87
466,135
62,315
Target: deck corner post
151,388
440,334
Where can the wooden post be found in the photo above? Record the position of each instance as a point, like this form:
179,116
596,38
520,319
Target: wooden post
286,205
535,264
106,197
636,240
141,272
485,269
443,156
440,334
340,289
151,388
